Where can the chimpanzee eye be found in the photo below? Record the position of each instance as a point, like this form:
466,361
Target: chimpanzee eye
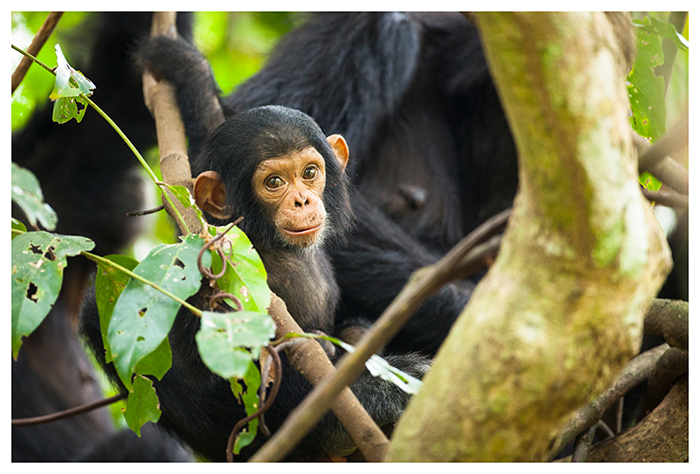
274,182
310,172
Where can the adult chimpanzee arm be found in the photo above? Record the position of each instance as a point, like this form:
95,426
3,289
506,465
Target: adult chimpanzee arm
348,71
376,263
180,63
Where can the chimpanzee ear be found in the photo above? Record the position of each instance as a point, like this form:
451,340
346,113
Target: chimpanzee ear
210,195
340,149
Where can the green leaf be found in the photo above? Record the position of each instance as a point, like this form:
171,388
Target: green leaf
69,86
376,365
251,400
143,316
222,338
26,192
245,276
668,31
17,225
158,362
109,284
650,182
141,404
38,260
646,90
69,82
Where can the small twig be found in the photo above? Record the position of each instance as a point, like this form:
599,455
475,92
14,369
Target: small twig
636,371
266,406
37,43
667,198
204,270
214,301
672,365
145,212
655,159
582,446
606,429
67,413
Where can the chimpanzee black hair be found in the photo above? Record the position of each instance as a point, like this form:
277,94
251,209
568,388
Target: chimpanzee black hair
243,141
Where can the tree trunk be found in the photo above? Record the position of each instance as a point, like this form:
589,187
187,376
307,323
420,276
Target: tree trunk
560,313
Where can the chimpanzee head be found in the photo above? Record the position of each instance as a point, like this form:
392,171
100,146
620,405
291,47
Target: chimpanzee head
274,166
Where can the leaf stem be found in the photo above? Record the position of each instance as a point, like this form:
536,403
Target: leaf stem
131,146
105,261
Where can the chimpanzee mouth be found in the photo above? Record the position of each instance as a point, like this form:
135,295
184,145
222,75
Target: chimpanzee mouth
303,232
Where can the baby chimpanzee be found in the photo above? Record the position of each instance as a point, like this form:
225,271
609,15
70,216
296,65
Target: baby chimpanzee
274,166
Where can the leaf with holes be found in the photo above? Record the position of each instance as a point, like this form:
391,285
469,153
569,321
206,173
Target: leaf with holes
143,315
68,90
227,342
38,260
646,90
109,284
26,192
245,276
251,400
141,404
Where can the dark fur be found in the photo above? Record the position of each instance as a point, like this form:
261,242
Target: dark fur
199,406
431,155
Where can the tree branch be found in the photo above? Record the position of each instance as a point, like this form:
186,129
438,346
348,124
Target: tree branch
309,358
469,254
655,158
37,43
160,100
636,372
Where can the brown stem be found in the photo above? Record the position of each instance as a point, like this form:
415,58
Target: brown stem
79,410
308,358
634,373
655,159
172,144
37,43
667,198
668,318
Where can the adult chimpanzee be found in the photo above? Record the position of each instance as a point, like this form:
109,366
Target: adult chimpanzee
274,166
412,95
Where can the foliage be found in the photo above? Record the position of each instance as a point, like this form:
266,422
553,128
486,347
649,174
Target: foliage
38,260
646,89
26,192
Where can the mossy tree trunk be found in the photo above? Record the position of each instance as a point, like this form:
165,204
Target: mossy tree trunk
560,312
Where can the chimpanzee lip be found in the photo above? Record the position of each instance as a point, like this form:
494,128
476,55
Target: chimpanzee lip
302,232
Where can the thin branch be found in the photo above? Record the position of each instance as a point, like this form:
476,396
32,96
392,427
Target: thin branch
308,358
145,212
668,318
38,420
583,445
467,254
37,43
636,371
667,198
656,158
172,144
